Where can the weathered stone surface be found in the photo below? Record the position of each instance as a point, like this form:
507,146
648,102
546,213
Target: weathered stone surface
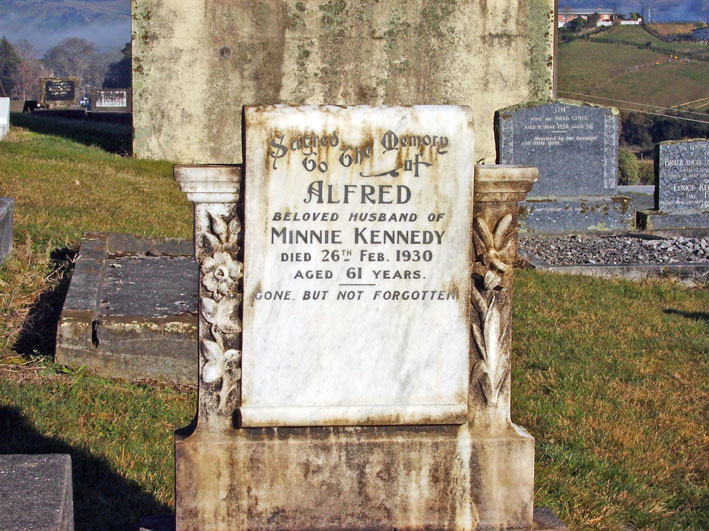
130,315
478,474
662,220
196,63
36,492
429,477
7,210
370,311
580,214
575,146
4,116
682,176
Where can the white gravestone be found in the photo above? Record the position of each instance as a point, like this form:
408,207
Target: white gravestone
4,116
358,252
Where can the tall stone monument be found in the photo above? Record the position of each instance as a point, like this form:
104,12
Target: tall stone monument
681,186
575,147
355,331
196,60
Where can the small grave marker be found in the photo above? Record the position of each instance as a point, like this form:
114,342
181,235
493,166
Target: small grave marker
4,116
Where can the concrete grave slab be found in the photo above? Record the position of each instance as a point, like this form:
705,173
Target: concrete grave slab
7,209
131,309
36,492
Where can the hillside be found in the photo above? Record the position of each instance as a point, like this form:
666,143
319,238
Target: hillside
633,72
45,22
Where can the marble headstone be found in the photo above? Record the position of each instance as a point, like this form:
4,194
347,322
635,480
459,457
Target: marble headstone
358,245
4,116
575,147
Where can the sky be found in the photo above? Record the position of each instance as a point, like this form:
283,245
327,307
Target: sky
107,22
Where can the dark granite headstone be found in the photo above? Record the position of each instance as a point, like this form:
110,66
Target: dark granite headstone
111,100
682,176
681,187
36,492
59,92
574,146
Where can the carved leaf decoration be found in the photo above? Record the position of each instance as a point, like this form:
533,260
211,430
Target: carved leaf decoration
234,229
219,228
484,233
212,242
479,341
209,310
501,229
480,374
213,370
491,280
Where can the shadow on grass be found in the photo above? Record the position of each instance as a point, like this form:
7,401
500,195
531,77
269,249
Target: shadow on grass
702,317
39,331
102,498
112,137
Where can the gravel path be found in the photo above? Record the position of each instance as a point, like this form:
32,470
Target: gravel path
585,249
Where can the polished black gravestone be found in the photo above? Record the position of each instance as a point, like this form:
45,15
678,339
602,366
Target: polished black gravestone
681,187
575,147
111,100
131,309
36,492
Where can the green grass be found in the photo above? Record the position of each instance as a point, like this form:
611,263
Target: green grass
609,376
638,35
585,66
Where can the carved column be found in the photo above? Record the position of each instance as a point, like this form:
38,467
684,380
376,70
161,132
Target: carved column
498,190
215,192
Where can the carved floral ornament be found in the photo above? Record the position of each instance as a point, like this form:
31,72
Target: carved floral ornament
220,275
490,334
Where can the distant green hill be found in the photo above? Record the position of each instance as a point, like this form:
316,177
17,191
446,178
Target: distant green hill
645,69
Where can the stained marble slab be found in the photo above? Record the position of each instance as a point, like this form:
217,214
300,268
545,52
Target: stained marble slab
357,260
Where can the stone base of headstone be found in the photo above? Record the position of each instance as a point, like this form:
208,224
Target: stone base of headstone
659,220
131,309
433,477
36,492
570,215
7,207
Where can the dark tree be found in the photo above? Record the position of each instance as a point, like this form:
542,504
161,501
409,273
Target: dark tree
120,74
8,66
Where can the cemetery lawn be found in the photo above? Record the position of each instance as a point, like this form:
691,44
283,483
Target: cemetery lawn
609,376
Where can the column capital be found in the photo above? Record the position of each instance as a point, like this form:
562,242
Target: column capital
209,183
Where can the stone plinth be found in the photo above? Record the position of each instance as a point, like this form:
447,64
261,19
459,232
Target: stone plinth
475,474
36,492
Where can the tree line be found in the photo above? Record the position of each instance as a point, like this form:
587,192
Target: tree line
21,66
